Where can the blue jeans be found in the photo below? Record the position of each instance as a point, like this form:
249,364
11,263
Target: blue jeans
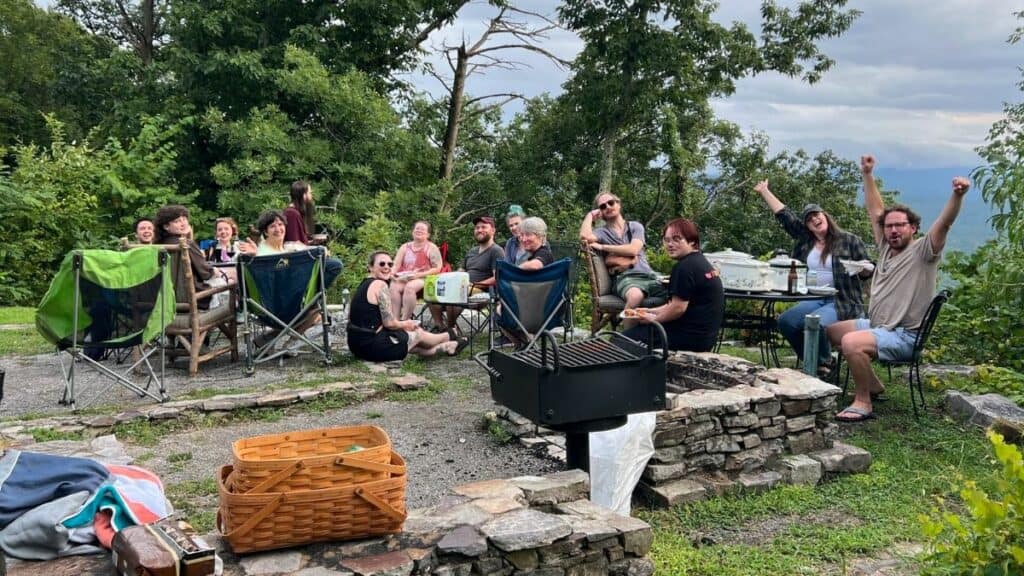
791,324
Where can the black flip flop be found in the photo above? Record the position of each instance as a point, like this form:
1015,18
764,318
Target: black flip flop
862,415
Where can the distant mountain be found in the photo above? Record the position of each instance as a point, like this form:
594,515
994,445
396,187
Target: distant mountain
926,191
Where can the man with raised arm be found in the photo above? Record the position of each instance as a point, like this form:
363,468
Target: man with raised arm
902,287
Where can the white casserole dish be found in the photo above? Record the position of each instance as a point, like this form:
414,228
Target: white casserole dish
740,271
780,266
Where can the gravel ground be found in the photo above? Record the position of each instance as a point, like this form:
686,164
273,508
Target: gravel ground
442,440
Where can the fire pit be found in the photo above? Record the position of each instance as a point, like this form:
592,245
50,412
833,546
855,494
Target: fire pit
579,387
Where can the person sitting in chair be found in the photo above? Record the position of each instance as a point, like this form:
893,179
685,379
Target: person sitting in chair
172,227
376,334
144,230
479,263
415,261
696,304
623,245
902,288
533,241
273,229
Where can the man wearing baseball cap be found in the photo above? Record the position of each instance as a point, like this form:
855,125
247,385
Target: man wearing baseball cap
479,262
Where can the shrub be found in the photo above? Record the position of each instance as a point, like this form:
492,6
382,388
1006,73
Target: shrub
991,539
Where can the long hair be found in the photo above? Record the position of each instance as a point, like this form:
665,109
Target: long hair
306,208
831,237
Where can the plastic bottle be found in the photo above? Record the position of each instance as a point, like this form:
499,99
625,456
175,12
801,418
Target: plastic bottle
792,283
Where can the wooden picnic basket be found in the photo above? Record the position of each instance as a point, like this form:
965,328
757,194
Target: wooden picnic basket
309,459
257,521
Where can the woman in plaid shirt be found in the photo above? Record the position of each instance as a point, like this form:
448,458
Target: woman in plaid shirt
822,245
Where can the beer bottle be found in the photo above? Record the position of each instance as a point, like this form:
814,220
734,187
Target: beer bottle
792,280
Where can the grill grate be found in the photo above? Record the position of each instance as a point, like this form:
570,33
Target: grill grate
582,354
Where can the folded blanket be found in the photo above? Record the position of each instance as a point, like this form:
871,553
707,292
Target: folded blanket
29,479
38,535
131,496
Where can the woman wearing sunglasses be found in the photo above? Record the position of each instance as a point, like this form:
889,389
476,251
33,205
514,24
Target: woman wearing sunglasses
374,331
696,302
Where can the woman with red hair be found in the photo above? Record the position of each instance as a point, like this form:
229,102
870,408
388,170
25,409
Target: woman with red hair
696,303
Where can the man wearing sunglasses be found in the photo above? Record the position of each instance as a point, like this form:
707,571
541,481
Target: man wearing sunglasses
902,287
623,245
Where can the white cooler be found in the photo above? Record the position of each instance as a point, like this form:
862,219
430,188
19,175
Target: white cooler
448,288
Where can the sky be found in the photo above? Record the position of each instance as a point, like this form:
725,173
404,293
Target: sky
918,83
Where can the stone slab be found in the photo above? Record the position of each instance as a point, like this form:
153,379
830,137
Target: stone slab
843,458
983,410
522,529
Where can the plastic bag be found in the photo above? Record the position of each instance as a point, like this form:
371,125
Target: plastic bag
617,458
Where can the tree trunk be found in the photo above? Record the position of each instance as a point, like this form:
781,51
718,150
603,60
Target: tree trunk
607,164
451,132
146,50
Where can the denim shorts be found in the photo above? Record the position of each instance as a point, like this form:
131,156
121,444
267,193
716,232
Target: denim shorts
893,345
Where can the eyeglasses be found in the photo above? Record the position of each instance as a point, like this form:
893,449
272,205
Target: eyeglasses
385,264
673,240
896,225
611,202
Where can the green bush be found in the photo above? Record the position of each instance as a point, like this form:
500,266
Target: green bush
990,541
987,379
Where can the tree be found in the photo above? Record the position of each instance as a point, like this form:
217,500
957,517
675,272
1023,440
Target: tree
138,25
509,31
643,55
49,65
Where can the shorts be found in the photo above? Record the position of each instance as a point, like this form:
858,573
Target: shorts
893,345
648,283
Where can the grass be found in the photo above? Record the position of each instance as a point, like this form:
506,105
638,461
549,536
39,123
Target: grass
196,501
17,315
50,434
914,461
23,342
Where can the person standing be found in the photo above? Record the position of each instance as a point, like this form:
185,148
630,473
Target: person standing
902,288
823,245
300,215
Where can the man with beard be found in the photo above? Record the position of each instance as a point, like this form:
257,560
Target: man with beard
479,262
902,287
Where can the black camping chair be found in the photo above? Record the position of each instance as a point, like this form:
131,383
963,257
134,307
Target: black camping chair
531,301
278,294
914,362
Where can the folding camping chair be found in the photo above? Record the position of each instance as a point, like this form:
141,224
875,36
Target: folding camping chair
530,301
278,293
103,300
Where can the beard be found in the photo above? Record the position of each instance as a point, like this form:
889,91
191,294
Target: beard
482,238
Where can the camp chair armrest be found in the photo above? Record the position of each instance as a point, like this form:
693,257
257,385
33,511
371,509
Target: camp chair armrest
211,291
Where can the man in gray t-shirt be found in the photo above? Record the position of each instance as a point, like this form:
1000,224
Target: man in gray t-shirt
902,287
623,244
480,262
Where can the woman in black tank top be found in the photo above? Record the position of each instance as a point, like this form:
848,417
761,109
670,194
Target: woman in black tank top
374,331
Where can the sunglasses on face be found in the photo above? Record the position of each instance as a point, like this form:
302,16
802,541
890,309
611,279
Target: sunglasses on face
604,205
385,264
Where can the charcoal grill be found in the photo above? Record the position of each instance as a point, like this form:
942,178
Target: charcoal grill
579,387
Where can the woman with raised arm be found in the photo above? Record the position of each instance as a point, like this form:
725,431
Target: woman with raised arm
822,244
376,334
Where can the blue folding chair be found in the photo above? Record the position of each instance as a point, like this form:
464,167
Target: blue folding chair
280,292
530,301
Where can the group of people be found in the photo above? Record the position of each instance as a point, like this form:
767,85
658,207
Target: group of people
381,325
278,232
689,304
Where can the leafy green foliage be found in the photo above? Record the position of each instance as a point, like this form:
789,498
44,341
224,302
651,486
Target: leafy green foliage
988,379
72,195
991,539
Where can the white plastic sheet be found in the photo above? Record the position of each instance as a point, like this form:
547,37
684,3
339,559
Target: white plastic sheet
617,458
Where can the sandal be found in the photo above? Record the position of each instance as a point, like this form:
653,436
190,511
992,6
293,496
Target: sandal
861,415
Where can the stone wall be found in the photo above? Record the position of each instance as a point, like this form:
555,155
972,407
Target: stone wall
537,525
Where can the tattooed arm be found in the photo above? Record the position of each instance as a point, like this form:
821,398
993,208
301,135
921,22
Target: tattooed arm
387,316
